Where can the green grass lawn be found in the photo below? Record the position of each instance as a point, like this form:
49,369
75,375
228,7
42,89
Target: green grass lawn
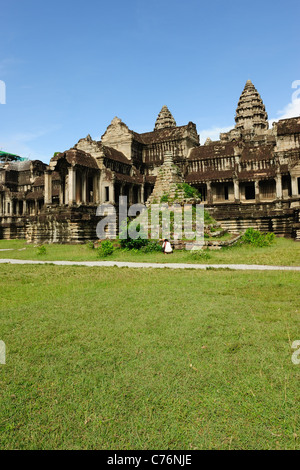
284,252
110,358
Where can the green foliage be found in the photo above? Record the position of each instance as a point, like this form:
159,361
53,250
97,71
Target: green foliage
189,191
257,238
151,246
132,243
90,245
164,198
198,359
105,249
200,255
208,219
284,252
41,250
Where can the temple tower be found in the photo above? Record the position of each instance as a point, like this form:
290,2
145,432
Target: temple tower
251,113
164,119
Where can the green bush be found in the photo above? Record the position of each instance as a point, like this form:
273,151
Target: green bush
189,191
164,198
105,249
200,254
257,238
151,246
208,219
41,250
133,243
90,245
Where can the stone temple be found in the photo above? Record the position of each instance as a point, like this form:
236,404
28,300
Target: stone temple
250,177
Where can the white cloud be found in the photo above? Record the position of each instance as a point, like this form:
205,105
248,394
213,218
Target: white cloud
292,109
18,145
23,150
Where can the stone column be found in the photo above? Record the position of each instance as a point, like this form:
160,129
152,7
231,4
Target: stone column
48,187
67,189
83,187
8,207
72,185
294,181
278,186
1,204
142,191
209,193
101,189
95,189
256,187
236,187
112,192
130,195
24,207
61,194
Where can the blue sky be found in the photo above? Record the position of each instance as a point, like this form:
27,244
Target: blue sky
70,67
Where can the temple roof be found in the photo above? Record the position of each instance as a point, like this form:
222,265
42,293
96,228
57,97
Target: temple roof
164,119
288,126
114,154
138,178
251,113
165,134
210,174
19,166
255,153
77,157
213,150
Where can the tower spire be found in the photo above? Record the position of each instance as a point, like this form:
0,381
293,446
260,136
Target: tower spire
251,112
164,119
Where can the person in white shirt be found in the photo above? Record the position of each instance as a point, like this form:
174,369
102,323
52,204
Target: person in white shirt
167,247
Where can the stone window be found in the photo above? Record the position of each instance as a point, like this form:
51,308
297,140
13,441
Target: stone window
267,189
250,191
202,191
106,193
226,193
222,192
286,186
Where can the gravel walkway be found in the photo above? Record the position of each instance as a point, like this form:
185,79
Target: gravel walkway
121,264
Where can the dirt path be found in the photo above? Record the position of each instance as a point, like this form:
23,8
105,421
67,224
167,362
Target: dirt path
121,264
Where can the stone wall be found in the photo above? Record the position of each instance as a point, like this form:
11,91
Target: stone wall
279,218
62,225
